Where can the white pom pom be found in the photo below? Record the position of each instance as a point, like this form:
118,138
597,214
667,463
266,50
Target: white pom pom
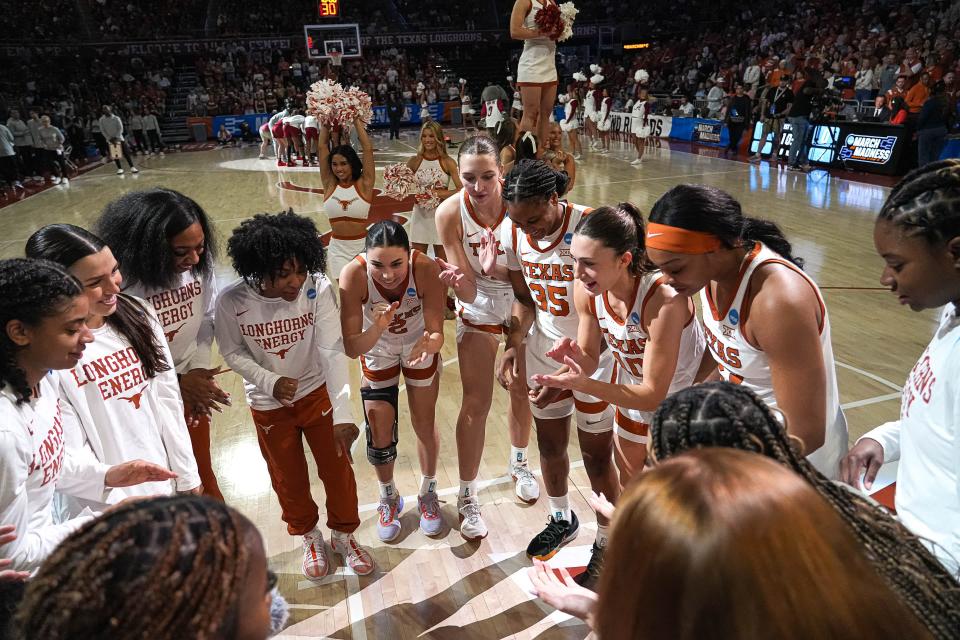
641,76
596,79
509,78
579,76
562,98
594,68
463,81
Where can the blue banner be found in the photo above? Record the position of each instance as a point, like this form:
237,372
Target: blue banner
254,120
411,115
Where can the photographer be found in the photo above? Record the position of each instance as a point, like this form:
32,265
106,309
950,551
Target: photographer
737,118
775,105
800,117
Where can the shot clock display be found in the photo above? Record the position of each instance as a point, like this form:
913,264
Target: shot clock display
328,8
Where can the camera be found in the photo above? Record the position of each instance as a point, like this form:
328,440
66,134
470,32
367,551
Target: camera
825,105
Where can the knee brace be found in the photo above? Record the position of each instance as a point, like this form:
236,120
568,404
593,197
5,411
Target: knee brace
383,455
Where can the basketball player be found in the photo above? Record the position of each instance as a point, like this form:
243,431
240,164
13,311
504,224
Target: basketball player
278,132
536,244
537,68
166,247
918,235
639,128
571,123
43,311
311,133
293,132
431,156
266,139
565,161
347,194
765,321
121,399
278,328
469,226
391,313
604,121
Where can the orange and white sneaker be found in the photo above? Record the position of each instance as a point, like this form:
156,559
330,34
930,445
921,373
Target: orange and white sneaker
315,562
354,556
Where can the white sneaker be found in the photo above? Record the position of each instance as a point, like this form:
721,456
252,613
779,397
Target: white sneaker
65,182
119,172
472,527
38,178
431,522
636,162
134,170
527,488
388,524
577,156
54,180
355,556
315,562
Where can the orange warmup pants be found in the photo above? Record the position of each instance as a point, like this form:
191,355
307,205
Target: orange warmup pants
280,433
200,442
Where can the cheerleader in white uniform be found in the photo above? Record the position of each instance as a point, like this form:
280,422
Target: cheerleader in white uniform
467,113
266,139
432,157
537,68
639,128
765,321
604,120
43,310
391,314
347,195
122,400
570,124
590,103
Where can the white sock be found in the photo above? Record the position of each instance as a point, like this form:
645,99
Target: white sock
518,455
428,484
603,534
559,507
468,489
387,489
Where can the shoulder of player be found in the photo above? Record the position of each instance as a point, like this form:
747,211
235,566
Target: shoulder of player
779,289
425,266
232,292
449,209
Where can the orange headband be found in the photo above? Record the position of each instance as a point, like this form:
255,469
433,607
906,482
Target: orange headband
677,240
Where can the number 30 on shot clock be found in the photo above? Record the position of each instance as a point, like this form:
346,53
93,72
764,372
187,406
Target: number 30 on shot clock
329,8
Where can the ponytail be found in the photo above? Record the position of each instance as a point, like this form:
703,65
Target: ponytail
620,229
698,207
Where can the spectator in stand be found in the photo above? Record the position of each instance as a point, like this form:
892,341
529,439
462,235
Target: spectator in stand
886,73
899,112
752,76
737,119
52,153
112,129
864,82
918,94
898,90
23,143
9,172
932,126
686,108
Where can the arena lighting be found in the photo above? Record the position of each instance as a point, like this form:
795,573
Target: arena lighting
637,45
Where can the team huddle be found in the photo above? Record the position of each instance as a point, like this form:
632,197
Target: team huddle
593,306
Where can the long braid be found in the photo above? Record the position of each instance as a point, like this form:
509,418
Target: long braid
161,568
726,415
927,201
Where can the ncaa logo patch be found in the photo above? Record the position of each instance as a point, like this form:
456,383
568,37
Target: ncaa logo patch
635,318
411,292
734,317
311,293
568,238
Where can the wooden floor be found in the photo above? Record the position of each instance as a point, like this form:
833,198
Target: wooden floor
447,588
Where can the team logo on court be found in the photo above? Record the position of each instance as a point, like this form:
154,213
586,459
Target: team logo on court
733,317
311,293
411,292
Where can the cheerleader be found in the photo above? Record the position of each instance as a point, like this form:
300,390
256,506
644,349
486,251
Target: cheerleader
536,244
570,123
266,139
766,324
348,193
469,224
166,247
537,68
639,128
918,235
562,160
431,157
468,114
43,310
391,314
279,136
516,106
590,107
122,399
507,134
604,121
424,111
278,328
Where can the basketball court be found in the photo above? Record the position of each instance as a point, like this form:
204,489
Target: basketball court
445,588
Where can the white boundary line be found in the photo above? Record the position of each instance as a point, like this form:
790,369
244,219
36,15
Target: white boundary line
872,376
869,401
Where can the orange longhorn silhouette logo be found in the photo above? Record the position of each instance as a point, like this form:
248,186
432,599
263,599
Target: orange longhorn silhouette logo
345,204
282,353
171,334
135,398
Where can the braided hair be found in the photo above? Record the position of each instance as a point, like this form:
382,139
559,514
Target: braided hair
530,179
721,414
927,202
169,567
699,207
619,228
30,290
261,245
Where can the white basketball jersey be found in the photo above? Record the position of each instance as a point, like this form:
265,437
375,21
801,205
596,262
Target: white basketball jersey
407,325
494,113
742,363
627,337
547,267
310,122
472,230
346,203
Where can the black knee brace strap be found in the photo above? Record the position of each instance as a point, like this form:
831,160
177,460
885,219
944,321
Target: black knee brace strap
391,394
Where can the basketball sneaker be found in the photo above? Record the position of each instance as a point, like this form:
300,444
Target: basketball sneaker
281,163
134,170
388,525
526,487
431,522
119,172
557,533
315,563
588,579
355,556
472,526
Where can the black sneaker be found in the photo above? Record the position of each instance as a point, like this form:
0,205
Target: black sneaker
558,533
589,578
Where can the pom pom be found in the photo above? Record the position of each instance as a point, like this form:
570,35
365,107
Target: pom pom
509,78
641,76
335,106
597,79
562,98
279,612
428,181
594,68
568,13
399,182
463,81
549,22
579,76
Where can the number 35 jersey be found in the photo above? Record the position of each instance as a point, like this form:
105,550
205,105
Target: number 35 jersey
547,267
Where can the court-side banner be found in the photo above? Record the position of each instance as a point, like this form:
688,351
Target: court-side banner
135,48
660,126
411,115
